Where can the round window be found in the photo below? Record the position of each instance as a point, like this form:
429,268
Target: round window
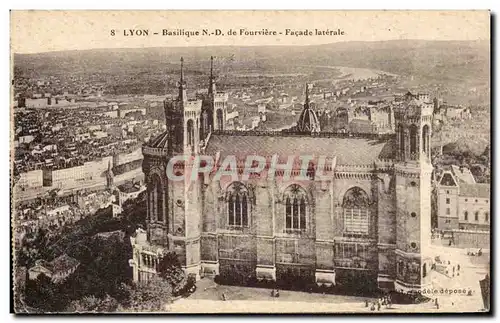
413,183
413,245
413,214
179,202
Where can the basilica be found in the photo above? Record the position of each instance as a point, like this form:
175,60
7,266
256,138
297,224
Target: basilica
367,219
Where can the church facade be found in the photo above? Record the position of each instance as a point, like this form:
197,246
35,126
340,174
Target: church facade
368,217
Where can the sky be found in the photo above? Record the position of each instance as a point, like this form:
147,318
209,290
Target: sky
43,31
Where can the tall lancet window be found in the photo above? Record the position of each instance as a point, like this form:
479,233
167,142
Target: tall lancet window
413,141
295,208
220,119
190,132
425,140
401,135
159,201
237,205
156,199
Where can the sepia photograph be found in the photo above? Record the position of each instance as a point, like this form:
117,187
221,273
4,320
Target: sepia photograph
259,162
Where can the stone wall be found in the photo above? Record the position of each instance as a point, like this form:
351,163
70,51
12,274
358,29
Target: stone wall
471,239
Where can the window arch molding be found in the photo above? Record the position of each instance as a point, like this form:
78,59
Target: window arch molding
190,132
238,201
356,211
156,197
297,208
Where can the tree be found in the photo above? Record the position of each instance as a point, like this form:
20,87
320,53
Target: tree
43,294
93,304
150,296
169,269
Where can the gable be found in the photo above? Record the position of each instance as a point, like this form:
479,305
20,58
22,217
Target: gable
447,180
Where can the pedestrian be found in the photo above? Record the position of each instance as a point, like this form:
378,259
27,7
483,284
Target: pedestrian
366,303
458,267
272,293
277,294
224,297
378,305
373,307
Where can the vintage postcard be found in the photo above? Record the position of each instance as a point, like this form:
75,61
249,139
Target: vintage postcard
250,161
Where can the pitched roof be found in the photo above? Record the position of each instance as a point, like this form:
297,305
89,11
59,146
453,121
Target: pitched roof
160,141
63,263
463,174
348,150
129,187
481,190
447,179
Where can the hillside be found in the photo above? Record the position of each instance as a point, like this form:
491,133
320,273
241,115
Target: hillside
454,65
429,58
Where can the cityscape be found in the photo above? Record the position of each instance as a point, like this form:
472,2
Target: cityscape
391,212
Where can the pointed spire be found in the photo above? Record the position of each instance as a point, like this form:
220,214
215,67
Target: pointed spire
306,103
182,70
307,95
211,67
211,85
182,83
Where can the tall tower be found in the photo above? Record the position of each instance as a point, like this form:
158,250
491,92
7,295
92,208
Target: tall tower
218,102
183,120
413,121
173,202
207,114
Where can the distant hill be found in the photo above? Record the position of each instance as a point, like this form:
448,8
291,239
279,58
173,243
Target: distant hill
445,62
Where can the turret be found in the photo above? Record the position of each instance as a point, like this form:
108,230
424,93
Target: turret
413,119
308,120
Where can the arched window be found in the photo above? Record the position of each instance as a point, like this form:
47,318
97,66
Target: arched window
156,199
204,125
466,216
413,141
220,120
425,140
356,211
237,205
401,135
295,208
424,270
159,201
190,132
